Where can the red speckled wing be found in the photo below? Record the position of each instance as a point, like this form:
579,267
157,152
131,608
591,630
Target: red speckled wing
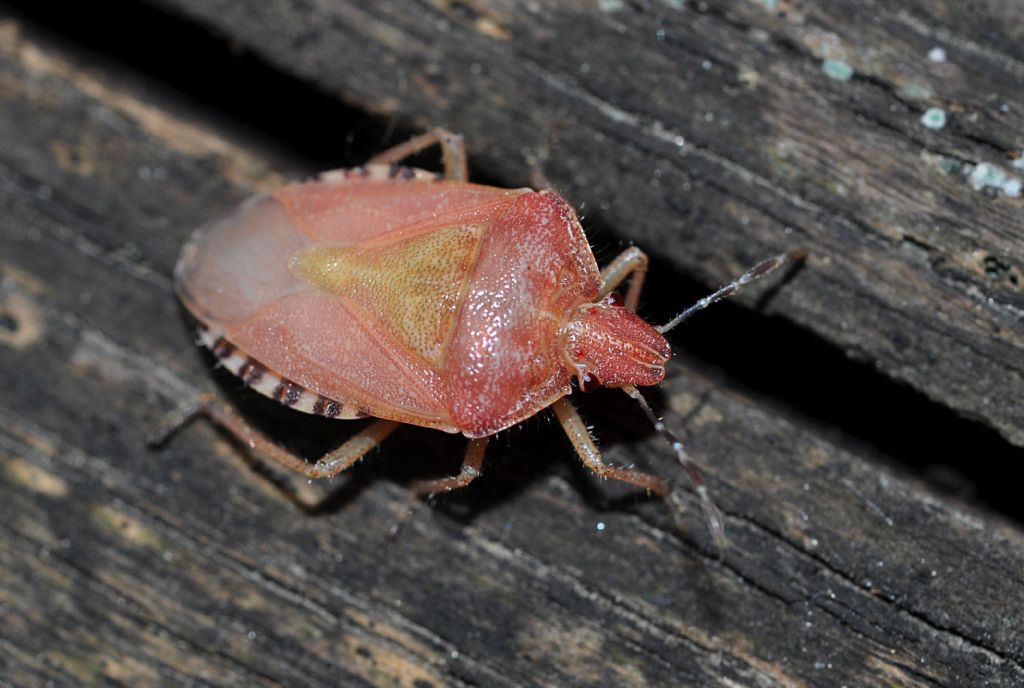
312,339
302,318
357,210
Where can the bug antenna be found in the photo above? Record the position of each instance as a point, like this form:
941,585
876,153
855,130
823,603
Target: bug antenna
712,516
763,268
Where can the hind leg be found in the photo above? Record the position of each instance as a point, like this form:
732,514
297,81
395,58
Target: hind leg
331,464
453,152
471,468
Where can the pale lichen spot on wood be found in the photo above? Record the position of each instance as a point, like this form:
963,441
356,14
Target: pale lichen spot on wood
839,70
988,177
934,118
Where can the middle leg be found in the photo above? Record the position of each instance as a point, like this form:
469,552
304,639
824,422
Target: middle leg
471,468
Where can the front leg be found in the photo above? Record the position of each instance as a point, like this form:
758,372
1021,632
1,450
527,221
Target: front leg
633,262
580,437
576,430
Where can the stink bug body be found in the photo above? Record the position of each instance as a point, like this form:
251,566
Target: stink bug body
421,298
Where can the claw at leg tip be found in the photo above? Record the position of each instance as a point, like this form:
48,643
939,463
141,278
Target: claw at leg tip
798,254
712,517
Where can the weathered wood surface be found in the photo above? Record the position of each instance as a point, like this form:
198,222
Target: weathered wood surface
711,131
123,565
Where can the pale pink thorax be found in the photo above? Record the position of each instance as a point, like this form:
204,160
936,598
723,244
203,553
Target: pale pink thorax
606,344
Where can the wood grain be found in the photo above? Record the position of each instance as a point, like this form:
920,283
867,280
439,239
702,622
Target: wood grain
712,131
124,565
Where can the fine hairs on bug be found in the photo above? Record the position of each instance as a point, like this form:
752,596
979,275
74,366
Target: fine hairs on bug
418,298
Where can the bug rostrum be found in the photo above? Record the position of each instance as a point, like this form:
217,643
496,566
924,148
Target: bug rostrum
421,298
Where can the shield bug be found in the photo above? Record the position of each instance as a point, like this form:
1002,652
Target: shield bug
420,298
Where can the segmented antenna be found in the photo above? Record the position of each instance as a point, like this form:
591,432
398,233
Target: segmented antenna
758,271
712,516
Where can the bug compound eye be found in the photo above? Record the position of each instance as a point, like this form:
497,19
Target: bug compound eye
589,382
615,299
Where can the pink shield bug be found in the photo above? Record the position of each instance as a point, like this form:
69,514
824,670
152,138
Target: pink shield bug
421,298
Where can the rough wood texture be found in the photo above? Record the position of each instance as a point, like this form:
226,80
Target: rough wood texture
124,565
714,132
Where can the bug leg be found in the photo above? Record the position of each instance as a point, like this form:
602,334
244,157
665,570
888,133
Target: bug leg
178,418
329,465
633,262
453,152
580,437
471,469
355,448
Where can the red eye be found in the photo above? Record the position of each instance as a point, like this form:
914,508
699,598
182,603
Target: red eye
615,299
589,382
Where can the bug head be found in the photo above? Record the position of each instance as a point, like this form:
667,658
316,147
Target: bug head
610,345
